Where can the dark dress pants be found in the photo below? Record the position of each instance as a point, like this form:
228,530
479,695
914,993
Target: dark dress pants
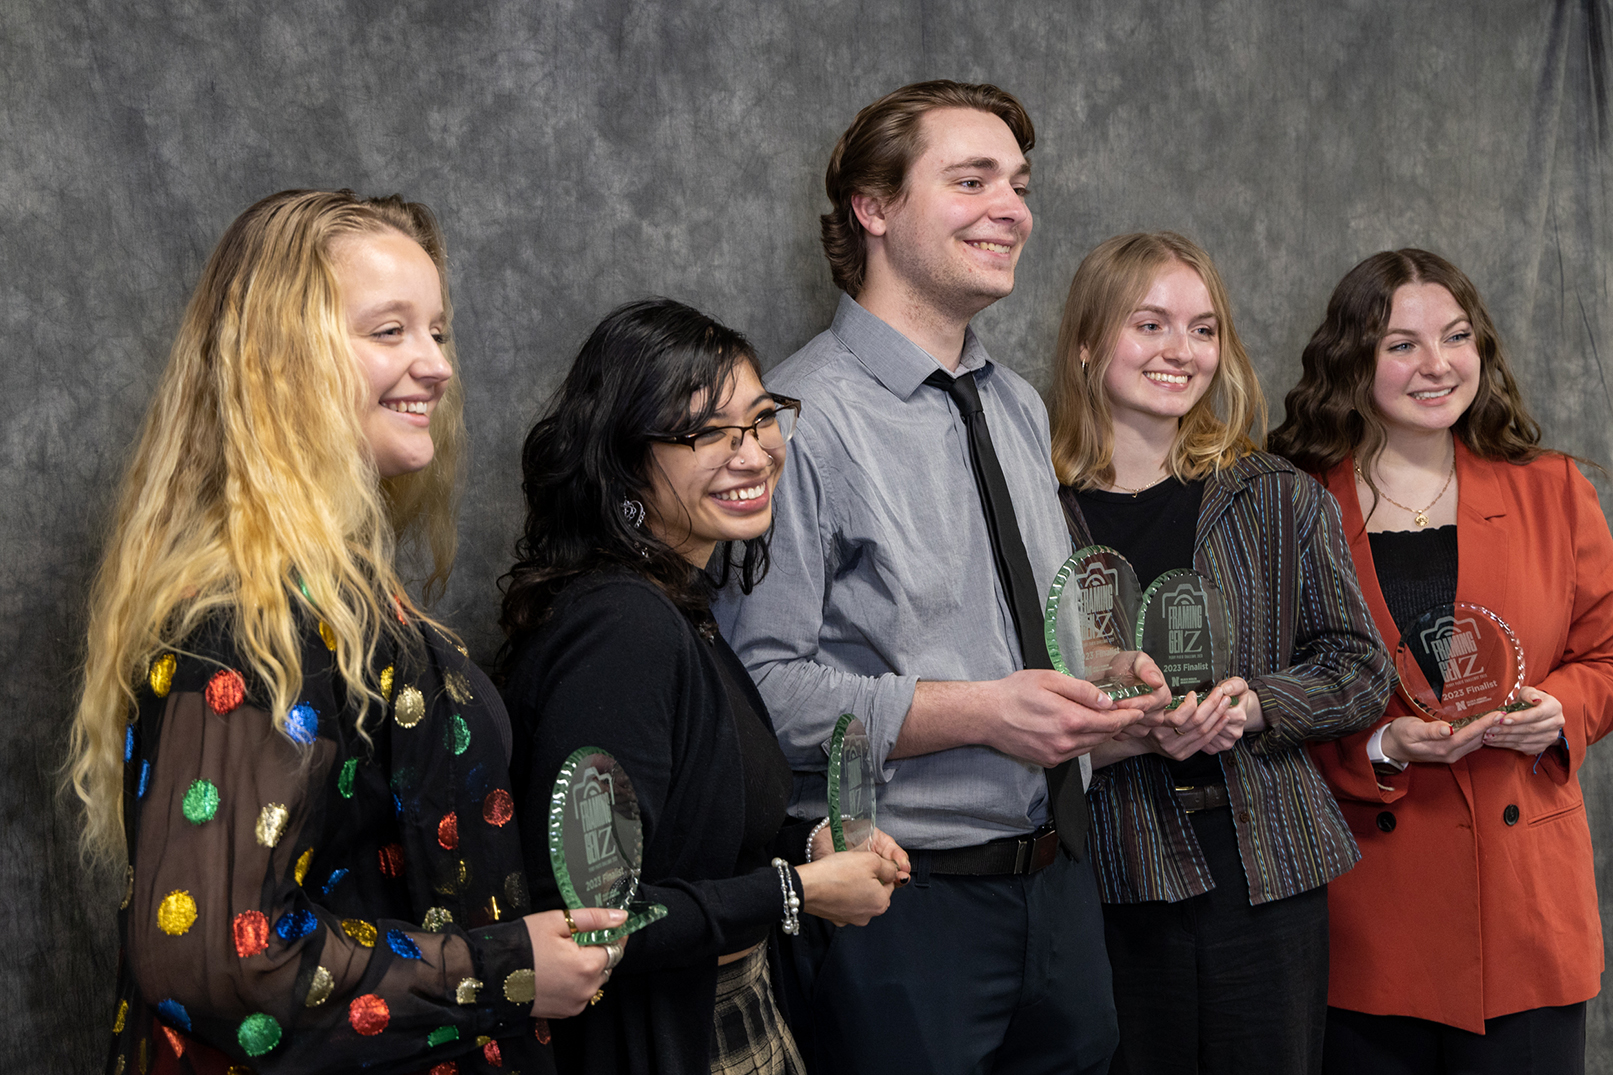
1211,984
963,975
1540,1041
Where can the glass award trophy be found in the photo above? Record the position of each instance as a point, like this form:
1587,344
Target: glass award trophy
1458,662
851,785
596,842
1091,612
1184,624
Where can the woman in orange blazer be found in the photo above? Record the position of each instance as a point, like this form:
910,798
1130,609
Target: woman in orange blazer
1468,938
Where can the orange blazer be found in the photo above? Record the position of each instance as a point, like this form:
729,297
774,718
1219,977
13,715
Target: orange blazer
1476,892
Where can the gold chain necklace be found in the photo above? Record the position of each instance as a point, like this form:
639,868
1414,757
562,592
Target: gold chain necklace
1418,517
1135,492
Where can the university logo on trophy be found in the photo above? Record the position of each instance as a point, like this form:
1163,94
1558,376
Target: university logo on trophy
596,842
1455,645
592,797
1459,661
1185,625
1098,585
1088,624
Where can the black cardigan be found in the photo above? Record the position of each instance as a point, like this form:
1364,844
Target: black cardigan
616,665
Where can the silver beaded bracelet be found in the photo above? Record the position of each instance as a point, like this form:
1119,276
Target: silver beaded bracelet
813,835
792,902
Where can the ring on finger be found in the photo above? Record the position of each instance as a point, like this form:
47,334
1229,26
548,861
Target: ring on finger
614,951
569,923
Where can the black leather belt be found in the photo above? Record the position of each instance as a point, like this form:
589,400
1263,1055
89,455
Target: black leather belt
1206,797
1011,854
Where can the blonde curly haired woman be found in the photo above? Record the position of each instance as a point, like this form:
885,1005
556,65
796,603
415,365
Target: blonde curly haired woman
304,774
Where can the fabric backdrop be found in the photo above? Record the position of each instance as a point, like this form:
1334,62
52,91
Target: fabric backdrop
585,152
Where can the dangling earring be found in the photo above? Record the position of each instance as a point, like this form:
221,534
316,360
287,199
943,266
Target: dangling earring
632,512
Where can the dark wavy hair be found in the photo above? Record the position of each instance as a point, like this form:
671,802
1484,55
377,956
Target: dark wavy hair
1331,415
632,382
873,156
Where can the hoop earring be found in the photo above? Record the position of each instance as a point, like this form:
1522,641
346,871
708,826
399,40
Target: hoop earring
632,512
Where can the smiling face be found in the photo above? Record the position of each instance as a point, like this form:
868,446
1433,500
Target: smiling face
1427,362
950,241
392,303
1166,354
691,506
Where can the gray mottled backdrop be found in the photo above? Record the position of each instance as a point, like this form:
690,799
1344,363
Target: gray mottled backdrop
584,152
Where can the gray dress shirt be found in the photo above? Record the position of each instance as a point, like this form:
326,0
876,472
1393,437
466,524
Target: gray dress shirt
882,573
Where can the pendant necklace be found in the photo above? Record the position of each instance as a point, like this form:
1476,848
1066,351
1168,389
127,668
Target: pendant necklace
1420,517
1141,489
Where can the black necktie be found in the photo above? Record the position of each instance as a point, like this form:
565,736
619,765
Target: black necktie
1065,794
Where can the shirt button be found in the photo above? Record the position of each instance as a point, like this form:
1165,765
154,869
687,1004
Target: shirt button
1510,815
1386,822
1243,816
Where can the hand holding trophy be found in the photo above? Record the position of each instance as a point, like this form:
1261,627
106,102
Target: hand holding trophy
596,843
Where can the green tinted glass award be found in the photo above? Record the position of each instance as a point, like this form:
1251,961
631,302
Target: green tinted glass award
596,842
851,785
1184,624
1458,662
1091,609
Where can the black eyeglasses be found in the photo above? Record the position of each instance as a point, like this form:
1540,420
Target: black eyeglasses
714,446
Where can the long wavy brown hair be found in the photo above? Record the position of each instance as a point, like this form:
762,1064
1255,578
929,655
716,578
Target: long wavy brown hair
1222,427
1331,415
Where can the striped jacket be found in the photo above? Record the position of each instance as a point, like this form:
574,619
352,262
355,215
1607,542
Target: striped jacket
1271,540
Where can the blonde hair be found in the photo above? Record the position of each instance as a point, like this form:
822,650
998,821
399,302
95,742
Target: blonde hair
251,498
1223,426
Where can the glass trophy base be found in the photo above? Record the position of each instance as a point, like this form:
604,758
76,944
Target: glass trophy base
639,915
1458,725
1119,691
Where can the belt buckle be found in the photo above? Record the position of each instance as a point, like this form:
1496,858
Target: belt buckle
1022,853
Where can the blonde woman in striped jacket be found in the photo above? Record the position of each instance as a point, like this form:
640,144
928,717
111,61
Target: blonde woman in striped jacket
1213,836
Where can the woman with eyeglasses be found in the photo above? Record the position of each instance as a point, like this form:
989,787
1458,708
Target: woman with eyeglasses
648,483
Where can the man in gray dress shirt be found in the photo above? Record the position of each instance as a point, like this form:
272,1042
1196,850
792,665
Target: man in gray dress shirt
883,600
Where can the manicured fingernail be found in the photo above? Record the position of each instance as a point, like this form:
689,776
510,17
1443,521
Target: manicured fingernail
616,917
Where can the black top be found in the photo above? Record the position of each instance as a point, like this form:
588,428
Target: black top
1155,531
1416,572
615,665
768,782
322,899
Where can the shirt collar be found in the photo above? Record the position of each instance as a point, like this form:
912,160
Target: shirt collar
894,360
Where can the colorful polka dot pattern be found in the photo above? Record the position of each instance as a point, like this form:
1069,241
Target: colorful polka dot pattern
368,1014
251,930
302,724
176,913
225,691
201,802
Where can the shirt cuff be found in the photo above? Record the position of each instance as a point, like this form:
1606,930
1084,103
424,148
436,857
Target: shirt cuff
1375,752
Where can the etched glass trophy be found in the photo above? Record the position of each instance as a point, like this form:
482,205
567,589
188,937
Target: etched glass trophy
851,785
596,842
1184,624
1458,662
1091,609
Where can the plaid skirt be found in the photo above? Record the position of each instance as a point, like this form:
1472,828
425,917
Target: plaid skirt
748,1036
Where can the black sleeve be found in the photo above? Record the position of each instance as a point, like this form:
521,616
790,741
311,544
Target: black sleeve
619,668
